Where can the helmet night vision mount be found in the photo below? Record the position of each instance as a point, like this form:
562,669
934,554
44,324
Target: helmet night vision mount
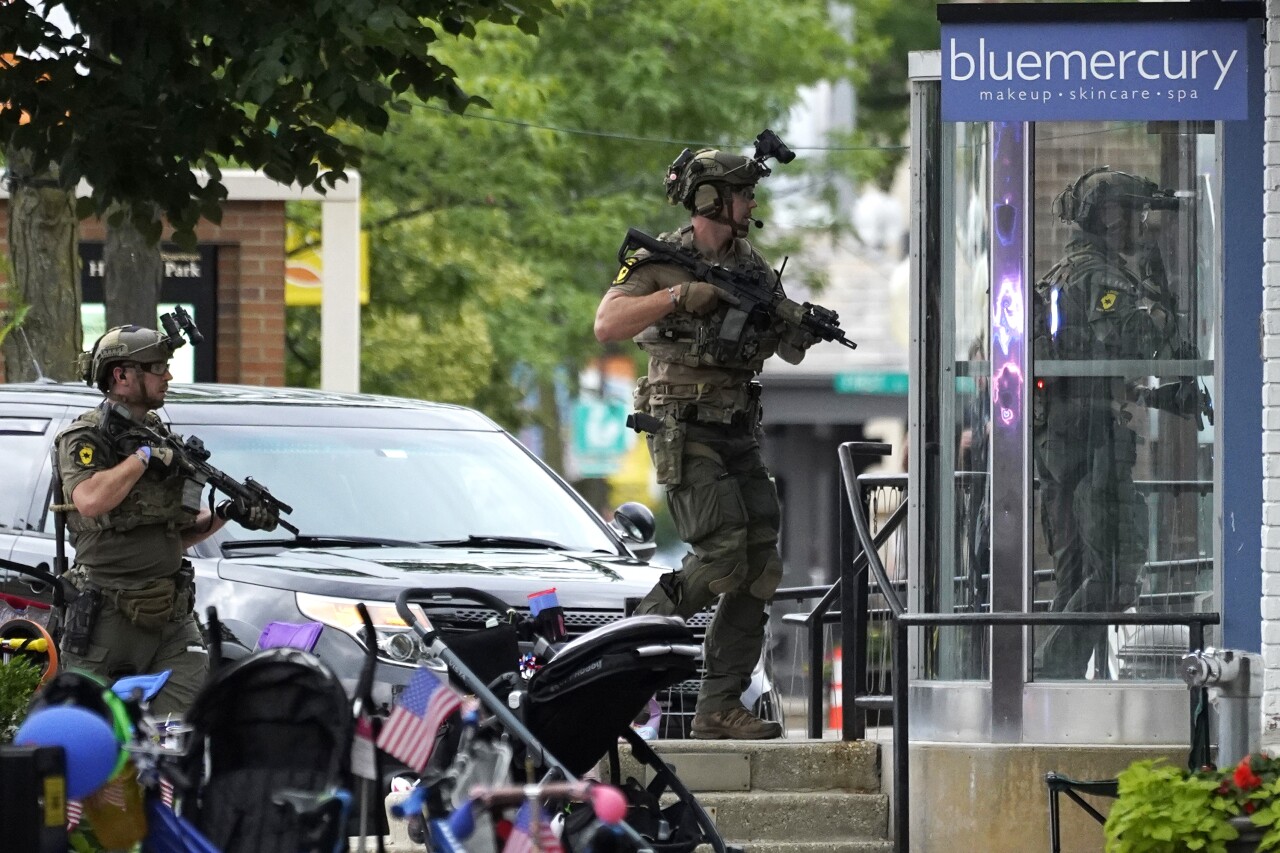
137,344
702,180
1081,202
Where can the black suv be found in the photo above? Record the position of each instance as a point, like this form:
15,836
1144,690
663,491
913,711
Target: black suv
387,493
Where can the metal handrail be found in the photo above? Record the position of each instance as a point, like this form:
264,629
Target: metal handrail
821,614
900,699
903,620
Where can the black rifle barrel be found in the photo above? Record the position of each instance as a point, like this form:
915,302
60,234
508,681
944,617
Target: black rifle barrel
750,293
249,493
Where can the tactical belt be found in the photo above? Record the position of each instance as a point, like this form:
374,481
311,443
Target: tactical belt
686,403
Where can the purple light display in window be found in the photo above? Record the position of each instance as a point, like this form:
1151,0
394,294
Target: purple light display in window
1008,327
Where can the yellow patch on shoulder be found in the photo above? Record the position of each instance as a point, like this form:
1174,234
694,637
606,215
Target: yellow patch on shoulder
1108,300
624,271
84,455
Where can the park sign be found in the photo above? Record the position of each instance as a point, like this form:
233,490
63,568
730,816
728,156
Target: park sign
1095,70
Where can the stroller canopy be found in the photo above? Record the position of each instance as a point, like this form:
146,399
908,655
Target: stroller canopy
276,721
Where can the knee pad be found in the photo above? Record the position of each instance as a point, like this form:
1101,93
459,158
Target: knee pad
766,581
731,580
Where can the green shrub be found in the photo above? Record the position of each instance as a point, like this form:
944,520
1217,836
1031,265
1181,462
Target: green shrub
1164,809
19,679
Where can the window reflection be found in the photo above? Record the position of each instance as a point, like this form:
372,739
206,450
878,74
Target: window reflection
1121,433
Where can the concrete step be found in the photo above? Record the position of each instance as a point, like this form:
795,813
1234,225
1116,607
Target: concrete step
775,765
814,816
781,796
817,847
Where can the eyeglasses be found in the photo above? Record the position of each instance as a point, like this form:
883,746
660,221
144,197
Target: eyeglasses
155,368
746,193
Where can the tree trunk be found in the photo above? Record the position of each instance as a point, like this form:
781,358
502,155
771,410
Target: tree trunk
548,417
44,249
133,270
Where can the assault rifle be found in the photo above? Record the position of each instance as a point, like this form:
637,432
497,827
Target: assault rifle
755,299
190,455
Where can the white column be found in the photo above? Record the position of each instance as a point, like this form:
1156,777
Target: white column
340,292
1271,392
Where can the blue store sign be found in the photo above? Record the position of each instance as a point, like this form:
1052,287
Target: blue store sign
1079,71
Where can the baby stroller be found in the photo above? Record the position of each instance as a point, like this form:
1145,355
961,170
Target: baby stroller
571,713
267,767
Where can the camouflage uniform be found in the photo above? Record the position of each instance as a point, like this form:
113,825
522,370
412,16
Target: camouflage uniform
1092,306
707,455
133,554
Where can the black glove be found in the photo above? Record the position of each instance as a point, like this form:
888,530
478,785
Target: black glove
256,517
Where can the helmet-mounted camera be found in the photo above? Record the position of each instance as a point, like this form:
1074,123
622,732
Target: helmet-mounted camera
769,145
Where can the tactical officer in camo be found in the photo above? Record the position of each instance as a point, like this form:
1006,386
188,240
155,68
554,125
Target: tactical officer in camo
131,513
707,453
1106,300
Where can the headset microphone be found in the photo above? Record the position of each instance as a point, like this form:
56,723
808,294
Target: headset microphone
756,222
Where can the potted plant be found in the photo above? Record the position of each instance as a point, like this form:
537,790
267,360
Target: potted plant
1164,809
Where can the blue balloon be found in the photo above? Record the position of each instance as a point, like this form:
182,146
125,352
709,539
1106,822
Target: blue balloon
90,744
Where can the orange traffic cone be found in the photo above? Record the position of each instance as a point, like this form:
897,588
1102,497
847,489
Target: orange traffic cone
835,706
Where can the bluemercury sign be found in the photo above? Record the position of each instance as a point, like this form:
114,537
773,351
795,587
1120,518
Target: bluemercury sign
1170,70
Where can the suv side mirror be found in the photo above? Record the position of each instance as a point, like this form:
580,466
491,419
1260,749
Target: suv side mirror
634,523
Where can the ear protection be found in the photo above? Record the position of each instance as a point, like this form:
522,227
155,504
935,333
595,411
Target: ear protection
708,201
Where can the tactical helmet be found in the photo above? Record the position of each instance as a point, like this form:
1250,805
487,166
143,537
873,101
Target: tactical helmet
1080,202
122,344
703,180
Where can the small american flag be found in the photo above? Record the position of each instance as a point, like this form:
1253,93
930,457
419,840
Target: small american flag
521,839
112,794
410,732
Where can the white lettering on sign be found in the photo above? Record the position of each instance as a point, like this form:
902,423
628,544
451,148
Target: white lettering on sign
1076,65
181,269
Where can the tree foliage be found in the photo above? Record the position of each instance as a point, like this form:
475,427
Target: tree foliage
885,32
142,92
494,234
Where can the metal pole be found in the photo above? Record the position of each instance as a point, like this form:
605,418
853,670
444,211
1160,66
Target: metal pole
901,742
853,634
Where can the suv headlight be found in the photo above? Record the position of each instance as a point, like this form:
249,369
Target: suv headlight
397,642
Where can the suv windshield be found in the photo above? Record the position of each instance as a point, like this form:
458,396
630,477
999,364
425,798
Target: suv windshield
431,486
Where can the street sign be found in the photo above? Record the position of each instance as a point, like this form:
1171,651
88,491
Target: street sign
871,382
600,436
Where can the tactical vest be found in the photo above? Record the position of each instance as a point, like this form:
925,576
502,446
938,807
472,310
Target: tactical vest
1091,305
682,338
155,499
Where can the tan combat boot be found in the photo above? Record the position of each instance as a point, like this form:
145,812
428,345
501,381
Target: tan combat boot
733,724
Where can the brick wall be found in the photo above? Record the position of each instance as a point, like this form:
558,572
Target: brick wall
1271,393
251,260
